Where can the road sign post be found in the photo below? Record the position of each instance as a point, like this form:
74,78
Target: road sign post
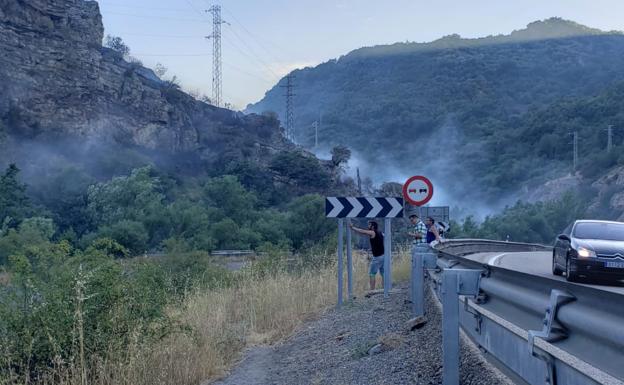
349,263
388,257
363,207
340,250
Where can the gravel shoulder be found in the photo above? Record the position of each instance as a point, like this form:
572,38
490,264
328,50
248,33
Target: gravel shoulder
335,350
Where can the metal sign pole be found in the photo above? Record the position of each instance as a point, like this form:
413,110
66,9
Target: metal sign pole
388,257
340,249
349,263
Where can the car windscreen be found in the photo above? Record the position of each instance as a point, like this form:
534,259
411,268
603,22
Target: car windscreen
597,230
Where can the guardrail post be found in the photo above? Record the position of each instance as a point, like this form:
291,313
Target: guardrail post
422,259
340,250
455,282
450,329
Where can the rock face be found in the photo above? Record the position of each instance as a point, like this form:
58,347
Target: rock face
58,80
553,189
611,192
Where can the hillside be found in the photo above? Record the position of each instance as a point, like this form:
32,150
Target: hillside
463,110
93,146
67,101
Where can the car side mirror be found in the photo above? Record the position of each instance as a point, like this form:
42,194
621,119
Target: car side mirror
563,237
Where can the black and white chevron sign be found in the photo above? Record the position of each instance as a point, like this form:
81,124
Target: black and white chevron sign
361,207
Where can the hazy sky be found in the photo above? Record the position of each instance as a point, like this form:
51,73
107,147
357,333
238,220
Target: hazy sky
267,39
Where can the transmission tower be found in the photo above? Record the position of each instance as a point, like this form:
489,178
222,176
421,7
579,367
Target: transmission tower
609,138
290,116
215,10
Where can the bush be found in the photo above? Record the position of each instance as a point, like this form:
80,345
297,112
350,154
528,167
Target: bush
132,235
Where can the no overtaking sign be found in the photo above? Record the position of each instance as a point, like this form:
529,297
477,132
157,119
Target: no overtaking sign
418,190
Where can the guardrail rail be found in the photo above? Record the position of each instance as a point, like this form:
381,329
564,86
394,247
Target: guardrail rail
538,330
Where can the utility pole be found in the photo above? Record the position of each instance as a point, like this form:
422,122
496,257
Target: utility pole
609,138
315,125
215,10
318,128
290,116
575,146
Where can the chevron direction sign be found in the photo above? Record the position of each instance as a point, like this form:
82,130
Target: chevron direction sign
363,207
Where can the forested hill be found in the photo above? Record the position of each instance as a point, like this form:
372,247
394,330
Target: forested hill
468,112
94,145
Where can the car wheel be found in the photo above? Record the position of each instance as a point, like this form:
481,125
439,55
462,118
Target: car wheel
555,269
571,276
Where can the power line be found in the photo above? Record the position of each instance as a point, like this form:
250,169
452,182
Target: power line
236,68
164,36
259,39
244,53
253,36
124,5
195,9
251,51
171,54
156,17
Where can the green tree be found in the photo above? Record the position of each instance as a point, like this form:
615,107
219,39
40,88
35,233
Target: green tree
32,234
306,223
132,235
134,203
231,199
14,203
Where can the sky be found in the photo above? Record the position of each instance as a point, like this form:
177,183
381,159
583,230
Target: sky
264,40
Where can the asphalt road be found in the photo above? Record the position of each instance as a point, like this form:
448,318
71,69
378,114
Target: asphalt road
534,263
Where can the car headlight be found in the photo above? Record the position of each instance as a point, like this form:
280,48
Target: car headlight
586,253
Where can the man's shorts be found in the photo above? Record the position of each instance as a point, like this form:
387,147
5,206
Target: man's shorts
377,264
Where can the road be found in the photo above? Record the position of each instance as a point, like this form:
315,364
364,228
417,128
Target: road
534,263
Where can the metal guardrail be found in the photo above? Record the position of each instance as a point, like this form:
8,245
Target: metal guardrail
539,330
233,253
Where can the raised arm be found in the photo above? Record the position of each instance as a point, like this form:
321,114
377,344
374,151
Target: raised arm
435,232
370,233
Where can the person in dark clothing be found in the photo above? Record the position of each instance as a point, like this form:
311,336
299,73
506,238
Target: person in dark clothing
376,238
432,231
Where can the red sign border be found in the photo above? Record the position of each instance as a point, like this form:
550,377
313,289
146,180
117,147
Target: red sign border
427,182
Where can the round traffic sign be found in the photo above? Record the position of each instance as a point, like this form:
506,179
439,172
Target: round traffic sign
418,190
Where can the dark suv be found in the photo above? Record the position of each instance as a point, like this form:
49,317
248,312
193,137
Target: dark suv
590,248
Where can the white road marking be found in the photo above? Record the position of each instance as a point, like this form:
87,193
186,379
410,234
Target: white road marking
493,261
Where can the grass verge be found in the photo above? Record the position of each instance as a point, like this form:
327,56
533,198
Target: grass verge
217,325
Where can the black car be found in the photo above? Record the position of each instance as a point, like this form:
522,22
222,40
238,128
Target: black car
590,248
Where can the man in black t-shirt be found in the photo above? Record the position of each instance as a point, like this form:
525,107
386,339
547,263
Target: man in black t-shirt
376,238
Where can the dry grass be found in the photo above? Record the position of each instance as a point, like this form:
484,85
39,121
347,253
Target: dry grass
222,323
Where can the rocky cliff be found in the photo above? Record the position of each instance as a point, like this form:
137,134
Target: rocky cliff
58,80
